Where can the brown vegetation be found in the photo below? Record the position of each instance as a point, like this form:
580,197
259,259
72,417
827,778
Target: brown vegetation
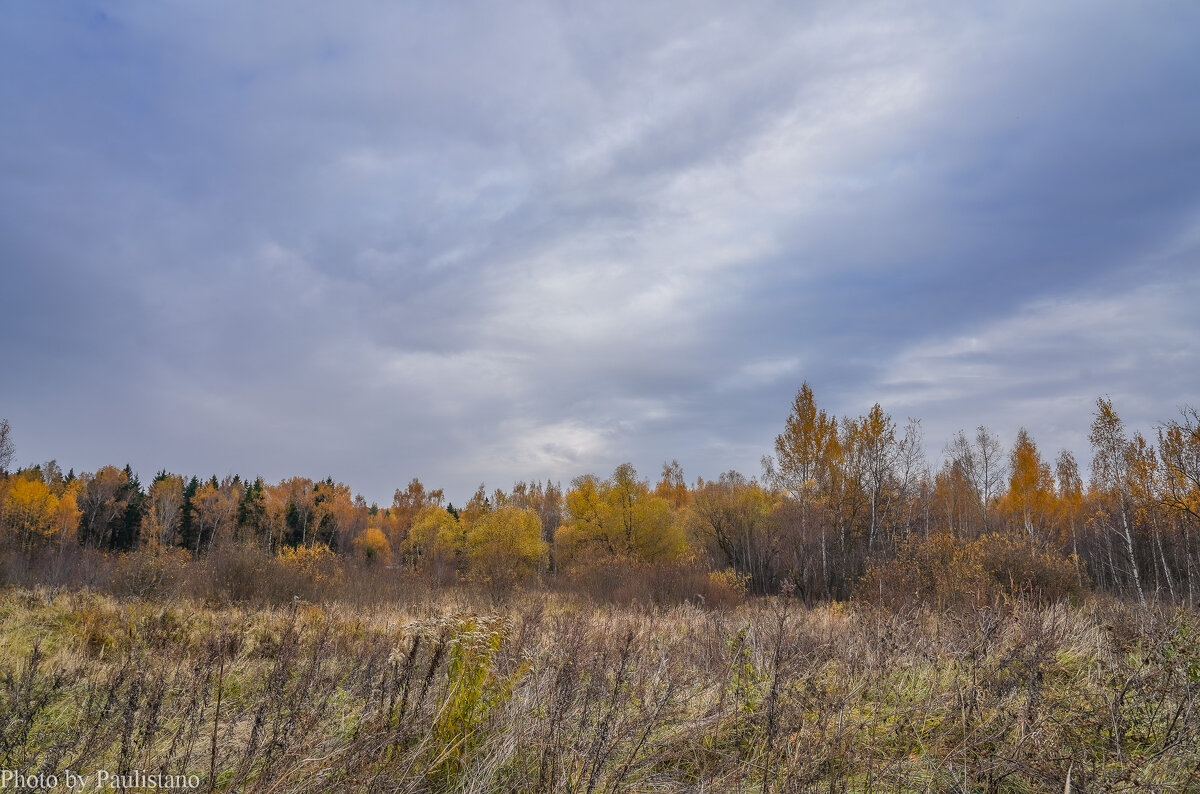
546,694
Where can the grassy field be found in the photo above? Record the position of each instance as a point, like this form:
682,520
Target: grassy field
544,693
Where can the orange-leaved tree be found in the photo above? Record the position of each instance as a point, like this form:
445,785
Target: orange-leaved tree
1030,500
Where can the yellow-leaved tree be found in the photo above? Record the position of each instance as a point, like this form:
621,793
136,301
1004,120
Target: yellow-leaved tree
30,511
730,519
66,518
504,546
373,546
807,466
36,513
336,518
164,513
618,518
216,505
435,539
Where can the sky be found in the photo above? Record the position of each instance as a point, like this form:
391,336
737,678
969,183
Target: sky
488,242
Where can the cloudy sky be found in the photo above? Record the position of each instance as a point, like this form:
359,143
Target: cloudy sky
489,242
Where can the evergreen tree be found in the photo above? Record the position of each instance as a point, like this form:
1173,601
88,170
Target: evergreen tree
187,524
123,533
252,510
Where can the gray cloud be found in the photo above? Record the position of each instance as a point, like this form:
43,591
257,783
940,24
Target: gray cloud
470,244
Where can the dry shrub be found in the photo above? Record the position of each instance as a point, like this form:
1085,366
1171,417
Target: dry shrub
727,587
613,581
243,573
312,573
369,584
944,570
148,572
1020,567
941,570
234,574
8,567
70,565
313,566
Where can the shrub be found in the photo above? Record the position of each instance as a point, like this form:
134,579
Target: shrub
151,571
1020,567
940,570
312,571
945,570
615,581
233,574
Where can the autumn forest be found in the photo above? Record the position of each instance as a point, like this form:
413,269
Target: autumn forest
845,508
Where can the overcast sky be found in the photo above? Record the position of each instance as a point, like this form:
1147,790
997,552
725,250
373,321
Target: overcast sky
489,242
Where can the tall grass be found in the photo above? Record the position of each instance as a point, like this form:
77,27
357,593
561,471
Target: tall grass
553,694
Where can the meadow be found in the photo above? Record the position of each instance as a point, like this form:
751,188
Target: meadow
462,691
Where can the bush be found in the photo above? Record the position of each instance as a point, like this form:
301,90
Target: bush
941,570
151,571
312,572
235,574
944,570
1020,567
242,573
614,581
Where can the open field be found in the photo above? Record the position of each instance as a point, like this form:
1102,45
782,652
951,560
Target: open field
589,398
550,693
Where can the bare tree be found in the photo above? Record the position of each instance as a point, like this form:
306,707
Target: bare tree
1111,475
982,462
6,445
911,468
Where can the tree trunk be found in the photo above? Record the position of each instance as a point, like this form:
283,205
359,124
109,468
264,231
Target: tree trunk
1133,566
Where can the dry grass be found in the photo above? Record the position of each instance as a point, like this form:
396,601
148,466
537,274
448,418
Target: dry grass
549,693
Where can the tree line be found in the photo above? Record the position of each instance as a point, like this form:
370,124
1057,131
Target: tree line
844,507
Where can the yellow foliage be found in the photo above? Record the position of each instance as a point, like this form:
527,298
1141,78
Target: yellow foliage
672,486
372,544
318,563
66,517
435,534
621,518
808,450
505,544
730,580
1030,499
32,511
